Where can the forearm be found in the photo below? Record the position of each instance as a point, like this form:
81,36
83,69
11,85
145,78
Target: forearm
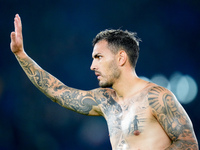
44,81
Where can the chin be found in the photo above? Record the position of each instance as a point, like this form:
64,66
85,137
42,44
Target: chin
105,85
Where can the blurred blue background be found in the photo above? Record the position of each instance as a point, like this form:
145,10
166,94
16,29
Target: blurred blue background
58,36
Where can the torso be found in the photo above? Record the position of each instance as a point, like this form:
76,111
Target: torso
132,125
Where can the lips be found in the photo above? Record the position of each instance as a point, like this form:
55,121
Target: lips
98,74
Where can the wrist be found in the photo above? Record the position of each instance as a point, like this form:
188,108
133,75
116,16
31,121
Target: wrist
21,54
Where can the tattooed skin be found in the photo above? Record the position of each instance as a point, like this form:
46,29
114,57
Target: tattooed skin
125,120
132,124
73,99
173,118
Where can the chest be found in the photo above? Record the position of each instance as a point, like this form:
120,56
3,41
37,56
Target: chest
128,118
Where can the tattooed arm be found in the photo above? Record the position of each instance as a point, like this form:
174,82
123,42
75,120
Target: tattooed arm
173,118
83,102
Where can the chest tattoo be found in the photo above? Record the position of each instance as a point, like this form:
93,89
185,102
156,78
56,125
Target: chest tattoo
125,119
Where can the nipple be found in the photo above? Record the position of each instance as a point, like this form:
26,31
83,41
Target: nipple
136,132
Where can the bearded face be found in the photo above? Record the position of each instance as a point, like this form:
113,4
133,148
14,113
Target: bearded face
105,65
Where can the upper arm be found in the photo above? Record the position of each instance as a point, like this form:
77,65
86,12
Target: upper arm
83,102
172,117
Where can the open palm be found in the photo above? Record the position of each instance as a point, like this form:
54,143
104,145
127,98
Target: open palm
16,44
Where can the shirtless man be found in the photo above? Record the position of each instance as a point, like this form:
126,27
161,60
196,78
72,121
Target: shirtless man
140,115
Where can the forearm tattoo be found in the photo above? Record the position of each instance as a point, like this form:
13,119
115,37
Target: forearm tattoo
73,99
172,118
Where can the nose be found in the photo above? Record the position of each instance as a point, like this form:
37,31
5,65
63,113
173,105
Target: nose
92,67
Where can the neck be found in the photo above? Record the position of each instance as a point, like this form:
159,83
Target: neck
127,85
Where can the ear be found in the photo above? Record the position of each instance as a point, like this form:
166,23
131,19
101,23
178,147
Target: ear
122,57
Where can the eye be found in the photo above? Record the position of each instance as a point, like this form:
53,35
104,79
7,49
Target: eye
97,56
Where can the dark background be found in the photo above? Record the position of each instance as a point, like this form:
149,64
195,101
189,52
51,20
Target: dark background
58,36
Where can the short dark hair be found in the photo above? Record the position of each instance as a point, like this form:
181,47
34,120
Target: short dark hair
119,39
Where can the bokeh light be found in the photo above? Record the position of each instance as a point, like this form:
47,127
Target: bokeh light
161,80
183,86
186,89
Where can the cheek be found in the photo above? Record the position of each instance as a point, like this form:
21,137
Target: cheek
108,67
105,67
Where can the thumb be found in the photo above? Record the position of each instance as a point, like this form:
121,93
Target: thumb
12,36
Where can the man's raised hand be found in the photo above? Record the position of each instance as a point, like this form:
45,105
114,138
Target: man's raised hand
16,44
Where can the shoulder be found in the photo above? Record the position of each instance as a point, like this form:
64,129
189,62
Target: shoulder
105,99
103,94
165,105
161,98
158,92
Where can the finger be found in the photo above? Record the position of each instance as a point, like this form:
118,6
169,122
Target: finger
16,23
12,36
18,26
